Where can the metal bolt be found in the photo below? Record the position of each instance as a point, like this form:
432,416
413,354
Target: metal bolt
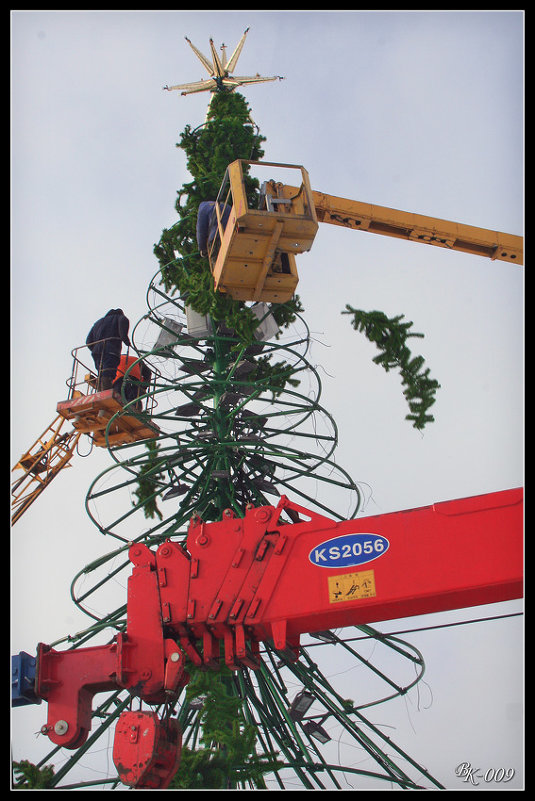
61,727
175,656
165,551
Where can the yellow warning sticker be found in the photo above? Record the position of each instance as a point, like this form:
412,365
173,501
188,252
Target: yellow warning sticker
351,586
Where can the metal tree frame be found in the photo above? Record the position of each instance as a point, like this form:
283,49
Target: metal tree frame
228,440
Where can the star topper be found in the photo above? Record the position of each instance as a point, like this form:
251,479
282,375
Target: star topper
220,71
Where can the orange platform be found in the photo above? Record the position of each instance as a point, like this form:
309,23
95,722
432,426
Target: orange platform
90,414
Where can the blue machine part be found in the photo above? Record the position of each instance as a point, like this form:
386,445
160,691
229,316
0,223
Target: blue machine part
23,668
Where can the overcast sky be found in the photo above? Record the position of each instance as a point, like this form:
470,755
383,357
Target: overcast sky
419,111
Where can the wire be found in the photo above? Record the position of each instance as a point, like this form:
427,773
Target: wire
421,628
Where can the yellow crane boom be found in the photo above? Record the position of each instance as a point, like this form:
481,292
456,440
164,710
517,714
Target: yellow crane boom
49,454
253,256
414,227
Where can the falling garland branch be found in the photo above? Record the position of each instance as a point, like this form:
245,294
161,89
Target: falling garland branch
390,336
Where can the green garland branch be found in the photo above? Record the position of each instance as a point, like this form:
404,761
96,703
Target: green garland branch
227,758
147,489
390,336
27,776
226,136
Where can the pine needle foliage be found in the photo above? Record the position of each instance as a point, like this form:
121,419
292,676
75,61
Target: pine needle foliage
147,488
390,336
228,134
227,758
28,776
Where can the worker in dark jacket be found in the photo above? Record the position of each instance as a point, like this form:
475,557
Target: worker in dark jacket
207,224
105,341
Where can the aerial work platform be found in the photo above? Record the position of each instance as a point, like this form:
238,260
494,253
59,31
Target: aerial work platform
91,409
253,255
91,414
102,415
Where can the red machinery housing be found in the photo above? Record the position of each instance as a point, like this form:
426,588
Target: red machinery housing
241,581
146,753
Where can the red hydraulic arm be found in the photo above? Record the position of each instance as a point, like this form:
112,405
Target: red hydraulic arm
242,581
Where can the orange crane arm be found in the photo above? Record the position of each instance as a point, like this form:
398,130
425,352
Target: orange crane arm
49,454
415,227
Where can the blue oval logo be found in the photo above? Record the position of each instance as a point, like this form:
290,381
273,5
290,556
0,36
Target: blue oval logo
348,550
